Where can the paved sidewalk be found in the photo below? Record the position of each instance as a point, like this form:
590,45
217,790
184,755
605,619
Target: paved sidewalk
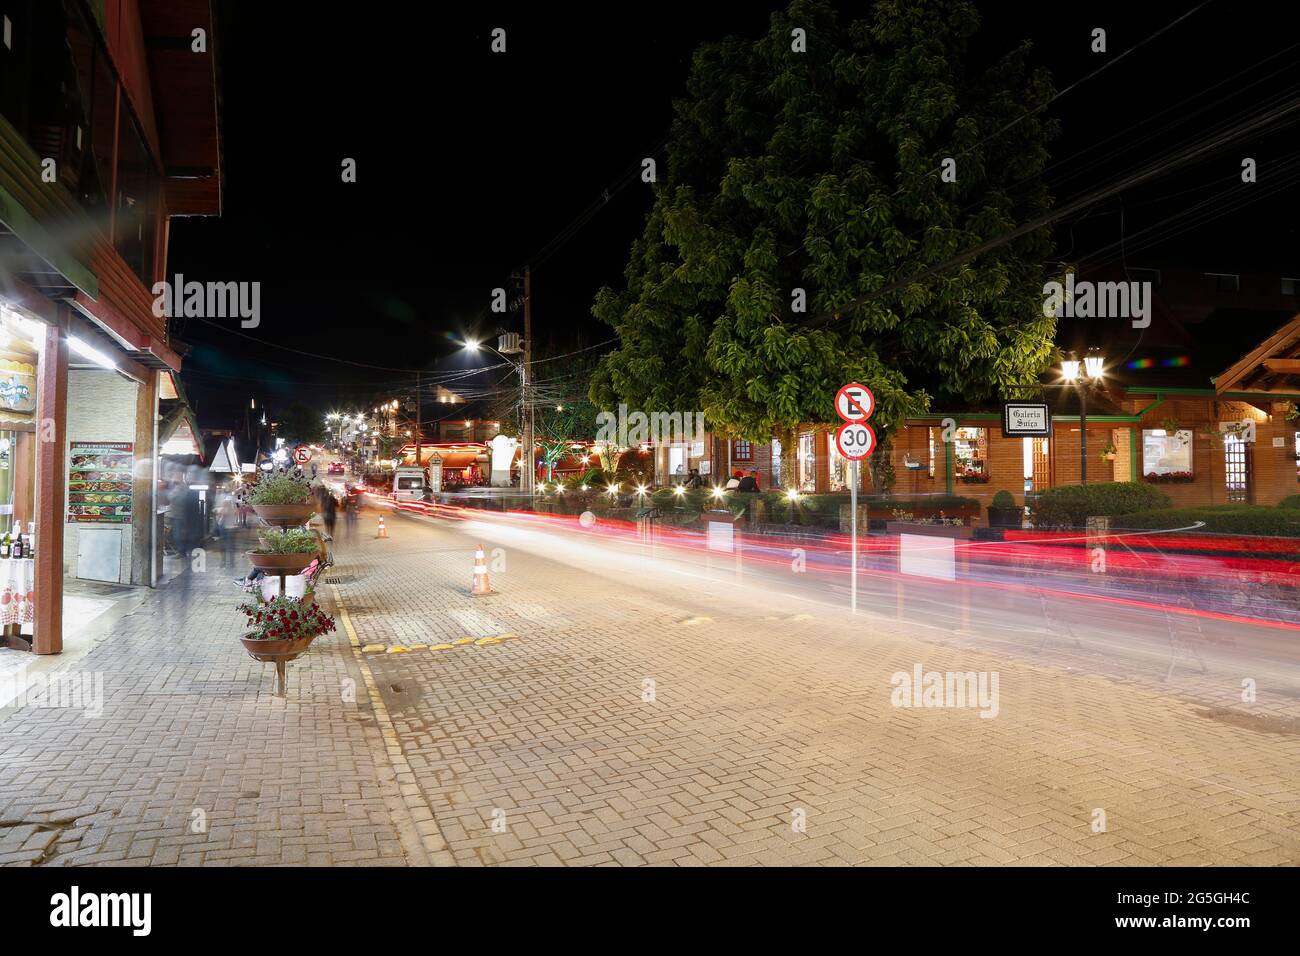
191,739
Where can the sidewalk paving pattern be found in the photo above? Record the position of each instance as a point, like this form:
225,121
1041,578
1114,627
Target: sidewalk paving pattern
623,722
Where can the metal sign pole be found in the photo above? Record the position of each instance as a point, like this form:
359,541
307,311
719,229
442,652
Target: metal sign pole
853,533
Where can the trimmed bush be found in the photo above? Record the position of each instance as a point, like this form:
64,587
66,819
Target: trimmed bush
1069,506
1220,519
1004,499
1290,501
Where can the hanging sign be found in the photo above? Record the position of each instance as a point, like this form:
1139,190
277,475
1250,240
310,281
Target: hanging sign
1026,420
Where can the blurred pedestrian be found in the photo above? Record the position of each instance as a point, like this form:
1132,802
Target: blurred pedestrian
330,513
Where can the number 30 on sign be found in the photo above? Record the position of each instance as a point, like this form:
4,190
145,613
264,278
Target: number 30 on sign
855,440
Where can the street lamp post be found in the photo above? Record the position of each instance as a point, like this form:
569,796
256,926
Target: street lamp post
1083,375
527,470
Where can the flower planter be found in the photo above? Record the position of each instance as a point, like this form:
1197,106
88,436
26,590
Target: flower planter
281,563
285,515
275,651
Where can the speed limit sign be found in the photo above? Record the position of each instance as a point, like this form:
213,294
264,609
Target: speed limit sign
855,440
855,403
302,454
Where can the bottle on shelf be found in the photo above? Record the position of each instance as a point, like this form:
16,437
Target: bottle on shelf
5,544
16,549
30,550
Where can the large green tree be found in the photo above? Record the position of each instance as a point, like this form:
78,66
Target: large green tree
823,171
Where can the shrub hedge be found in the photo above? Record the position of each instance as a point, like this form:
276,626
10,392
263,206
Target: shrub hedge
1290,501
1220,519
1069,506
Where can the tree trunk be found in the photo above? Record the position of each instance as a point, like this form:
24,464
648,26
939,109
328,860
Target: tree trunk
789,439
882,467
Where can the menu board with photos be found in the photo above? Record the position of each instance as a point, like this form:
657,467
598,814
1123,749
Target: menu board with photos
99,481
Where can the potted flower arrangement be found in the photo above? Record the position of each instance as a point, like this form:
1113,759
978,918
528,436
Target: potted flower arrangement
285,550
281,628
1171,477
1003,512
282,499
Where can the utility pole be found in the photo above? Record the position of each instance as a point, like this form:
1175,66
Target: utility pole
419,421
528,472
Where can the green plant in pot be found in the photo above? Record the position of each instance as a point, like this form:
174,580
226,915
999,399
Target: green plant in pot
282,499
1003,512
285,550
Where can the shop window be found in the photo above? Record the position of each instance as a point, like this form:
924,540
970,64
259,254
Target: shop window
1290,286
1223,281
1297,456
776,464
841,475
970,447
807,463
1165,456
933,446
742,451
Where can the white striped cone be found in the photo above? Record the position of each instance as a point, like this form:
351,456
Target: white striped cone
383,532
482,584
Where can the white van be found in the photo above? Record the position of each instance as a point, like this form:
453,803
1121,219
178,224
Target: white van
408,484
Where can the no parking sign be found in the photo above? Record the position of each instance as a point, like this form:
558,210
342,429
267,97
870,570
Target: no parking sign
302,454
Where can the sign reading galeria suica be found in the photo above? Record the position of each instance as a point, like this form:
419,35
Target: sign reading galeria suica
99,481
1026,420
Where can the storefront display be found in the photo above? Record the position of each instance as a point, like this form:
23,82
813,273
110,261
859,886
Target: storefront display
100,482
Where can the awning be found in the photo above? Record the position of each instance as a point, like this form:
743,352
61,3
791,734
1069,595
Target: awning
453,460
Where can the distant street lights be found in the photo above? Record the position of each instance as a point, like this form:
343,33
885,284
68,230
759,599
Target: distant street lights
1083,376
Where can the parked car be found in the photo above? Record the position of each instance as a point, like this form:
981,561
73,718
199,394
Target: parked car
409,484
336,468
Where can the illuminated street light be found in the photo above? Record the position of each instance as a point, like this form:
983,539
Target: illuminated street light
793,494
1093,368
718,492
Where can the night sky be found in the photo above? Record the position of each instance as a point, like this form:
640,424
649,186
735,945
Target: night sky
471,164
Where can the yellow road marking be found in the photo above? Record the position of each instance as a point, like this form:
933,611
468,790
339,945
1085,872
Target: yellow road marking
428,847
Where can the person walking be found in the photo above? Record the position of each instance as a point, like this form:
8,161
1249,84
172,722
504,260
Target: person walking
330,514
351,509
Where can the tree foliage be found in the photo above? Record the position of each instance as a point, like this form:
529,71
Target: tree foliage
820,171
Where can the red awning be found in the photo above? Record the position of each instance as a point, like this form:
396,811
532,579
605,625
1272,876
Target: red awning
454,459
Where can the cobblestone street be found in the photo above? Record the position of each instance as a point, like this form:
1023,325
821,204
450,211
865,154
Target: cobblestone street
577,716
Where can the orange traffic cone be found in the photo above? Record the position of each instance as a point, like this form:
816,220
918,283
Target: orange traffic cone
383,532
482,585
